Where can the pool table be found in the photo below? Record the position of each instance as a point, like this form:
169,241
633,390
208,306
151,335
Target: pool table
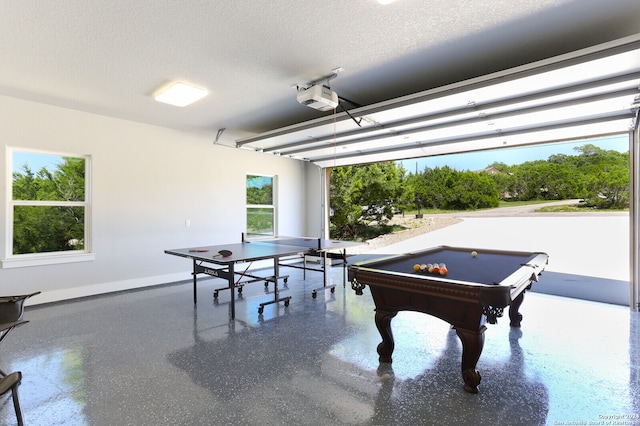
477,287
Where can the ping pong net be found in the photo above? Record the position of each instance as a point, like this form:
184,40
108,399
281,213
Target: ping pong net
301,242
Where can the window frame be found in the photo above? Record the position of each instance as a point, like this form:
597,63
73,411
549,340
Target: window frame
46,258
272,206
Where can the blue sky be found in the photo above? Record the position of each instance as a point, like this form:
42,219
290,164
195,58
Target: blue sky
35,161
511,156
259,181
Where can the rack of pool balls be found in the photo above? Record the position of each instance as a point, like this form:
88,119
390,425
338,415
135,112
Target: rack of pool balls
432,268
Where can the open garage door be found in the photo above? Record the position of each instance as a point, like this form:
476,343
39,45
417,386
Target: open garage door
589,93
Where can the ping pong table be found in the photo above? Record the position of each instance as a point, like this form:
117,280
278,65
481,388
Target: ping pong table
209,260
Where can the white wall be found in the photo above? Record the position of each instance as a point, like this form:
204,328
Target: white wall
146,181
314,202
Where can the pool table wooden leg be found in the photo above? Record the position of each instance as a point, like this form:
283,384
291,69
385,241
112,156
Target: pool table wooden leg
514,315
383,323
472,344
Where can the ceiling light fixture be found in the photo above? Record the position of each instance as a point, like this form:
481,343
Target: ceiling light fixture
180,94
385,2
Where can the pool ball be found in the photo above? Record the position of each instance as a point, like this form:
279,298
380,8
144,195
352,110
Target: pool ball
474,253
416,267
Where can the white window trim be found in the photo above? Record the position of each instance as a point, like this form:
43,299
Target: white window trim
39,259
50,258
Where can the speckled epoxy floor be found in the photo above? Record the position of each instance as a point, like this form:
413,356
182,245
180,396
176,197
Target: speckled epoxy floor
150,358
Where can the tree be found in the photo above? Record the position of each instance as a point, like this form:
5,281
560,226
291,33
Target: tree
471,191
430,187
600,177
362,195
557,181
449,189
608,189
605,177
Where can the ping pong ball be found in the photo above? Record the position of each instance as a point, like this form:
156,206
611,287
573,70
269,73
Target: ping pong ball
474,253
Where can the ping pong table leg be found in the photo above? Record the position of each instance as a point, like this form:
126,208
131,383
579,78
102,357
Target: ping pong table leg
195,282
326,285
276,293
232,289
324,268
344,267
276,276
332,287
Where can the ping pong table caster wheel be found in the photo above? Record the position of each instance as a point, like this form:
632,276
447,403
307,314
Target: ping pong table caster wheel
333,290
260,310
239,290
286,303
285,280
215,295
266,284
314,294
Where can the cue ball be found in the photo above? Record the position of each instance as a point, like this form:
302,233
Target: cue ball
474,253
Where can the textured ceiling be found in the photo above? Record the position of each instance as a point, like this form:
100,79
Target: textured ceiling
108,57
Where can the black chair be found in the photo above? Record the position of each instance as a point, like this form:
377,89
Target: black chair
11,382
11,311
4,330
12,308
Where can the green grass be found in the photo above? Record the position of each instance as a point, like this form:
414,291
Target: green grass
427,212
550,209
572,208
502,204
521,203
563,208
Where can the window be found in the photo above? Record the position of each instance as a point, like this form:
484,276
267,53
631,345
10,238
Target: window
49,207
260,206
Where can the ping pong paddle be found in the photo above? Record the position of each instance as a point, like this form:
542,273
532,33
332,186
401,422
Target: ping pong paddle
223,253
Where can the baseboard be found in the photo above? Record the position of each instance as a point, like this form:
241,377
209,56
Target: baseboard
104,288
